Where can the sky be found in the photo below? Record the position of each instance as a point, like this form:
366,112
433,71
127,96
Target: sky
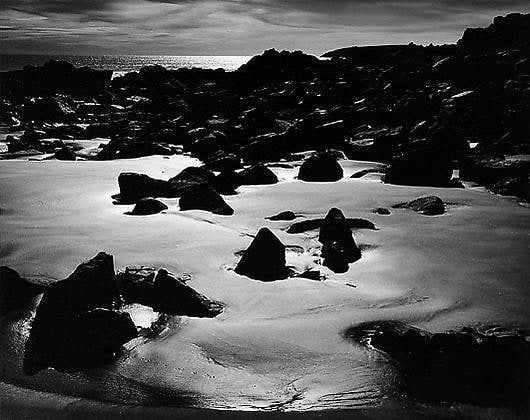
234,27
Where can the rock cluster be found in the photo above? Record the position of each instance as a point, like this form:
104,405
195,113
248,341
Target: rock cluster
78,324
417,108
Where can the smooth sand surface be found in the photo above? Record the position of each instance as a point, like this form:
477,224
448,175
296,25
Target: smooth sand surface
277,346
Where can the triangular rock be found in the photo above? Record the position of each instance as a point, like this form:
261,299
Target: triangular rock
264,259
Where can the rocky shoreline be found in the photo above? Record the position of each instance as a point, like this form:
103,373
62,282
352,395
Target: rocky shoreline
423,110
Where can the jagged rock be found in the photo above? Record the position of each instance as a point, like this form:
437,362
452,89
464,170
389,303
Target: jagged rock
146,206
429,206
264,259
320,167
257,175
165,293
305,225
338,246
204,197
92,285
14,290
64,153
284,215
481,367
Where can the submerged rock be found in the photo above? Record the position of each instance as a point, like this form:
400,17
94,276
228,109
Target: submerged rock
381,211
338,245
15,291
165,293
54,340
204,197
284,215
146,206
470,366
321,167
264,259
429,206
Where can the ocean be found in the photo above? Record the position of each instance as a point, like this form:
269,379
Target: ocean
121,64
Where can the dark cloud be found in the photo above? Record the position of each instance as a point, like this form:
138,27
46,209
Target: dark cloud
234,26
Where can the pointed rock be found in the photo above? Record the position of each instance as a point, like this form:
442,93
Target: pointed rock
14,290
264,259
204,197
257,175
147,206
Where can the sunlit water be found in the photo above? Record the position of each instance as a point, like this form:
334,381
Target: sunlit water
121,64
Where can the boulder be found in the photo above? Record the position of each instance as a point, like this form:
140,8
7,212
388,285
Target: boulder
204,197
165,293
489,367
227,182
320,167
146,206
257,175
420,167
64,153
429,206
338,245
92,285
128,148
135,186
264,259
15,291
284,215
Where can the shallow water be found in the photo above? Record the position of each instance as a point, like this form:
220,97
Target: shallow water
278,346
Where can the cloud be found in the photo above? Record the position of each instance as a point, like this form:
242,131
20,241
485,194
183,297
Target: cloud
204,27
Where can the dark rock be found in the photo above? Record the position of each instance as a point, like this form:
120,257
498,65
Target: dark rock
320,167
47,109
127,148
165,293
284,215
429,206
381,210
305,225
146,206
204,197
52,338
264,259
257,175
469,366
338,245
227,182
15,291
420,167
64,153
135,186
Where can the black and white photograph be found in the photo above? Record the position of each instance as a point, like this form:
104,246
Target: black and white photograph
264,209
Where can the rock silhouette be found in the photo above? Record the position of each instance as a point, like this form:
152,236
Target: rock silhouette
204,197
338,246
321,167
264,259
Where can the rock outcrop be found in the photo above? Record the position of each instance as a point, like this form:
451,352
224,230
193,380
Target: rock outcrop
488,367
264,259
